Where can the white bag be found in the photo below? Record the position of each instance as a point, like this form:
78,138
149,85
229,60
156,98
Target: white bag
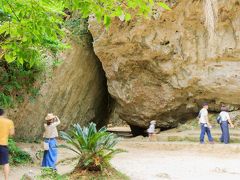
45,146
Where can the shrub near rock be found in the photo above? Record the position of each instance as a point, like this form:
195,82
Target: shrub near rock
17,156
94,147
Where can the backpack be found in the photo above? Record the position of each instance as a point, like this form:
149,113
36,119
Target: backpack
199,115
219,119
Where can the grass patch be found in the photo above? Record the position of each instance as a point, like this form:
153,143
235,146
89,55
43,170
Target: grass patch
50,174
17,155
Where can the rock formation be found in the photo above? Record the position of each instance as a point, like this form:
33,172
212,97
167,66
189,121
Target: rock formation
76,92
163,68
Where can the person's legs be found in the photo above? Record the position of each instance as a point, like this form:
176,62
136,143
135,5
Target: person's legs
210,138
225,132
4,161
203,130
6,170
44,160
228,134
54,152
221,138
50,156
150,136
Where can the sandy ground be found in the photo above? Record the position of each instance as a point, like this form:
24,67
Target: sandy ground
156,160
178,161
17,172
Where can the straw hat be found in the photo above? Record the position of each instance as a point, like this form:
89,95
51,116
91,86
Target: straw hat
49,116
153,122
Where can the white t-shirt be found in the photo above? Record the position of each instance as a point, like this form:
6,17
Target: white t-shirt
151,128
203,115
224,115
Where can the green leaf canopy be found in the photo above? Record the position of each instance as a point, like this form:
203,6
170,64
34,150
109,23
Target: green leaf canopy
31,28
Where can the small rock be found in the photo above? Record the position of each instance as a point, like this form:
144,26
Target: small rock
164,176
28,176
220,170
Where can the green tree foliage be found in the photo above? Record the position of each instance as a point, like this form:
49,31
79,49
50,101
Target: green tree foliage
95,148
105,10
30,28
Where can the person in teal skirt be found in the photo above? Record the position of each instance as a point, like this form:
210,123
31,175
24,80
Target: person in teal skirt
50,135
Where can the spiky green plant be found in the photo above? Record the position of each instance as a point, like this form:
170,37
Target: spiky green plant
94,147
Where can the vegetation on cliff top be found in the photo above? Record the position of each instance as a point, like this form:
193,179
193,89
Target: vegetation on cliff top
30,28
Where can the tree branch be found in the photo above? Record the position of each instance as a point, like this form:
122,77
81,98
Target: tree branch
12,10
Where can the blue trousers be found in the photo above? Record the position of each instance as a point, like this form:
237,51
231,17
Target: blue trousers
50,156
225,137
203,131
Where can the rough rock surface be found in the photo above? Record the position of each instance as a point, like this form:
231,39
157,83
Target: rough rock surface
76,92
165,67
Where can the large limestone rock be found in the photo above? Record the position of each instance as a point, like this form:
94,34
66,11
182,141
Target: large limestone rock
76,92
165,67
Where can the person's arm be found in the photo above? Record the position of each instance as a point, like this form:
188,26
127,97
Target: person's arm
208,123
12,132
11,129
44,133
198,117
230,121
57,121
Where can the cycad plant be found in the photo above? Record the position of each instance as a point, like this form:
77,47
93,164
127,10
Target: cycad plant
94,147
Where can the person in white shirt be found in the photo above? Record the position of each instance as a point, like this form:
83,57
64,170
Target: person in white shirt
224,121
204,124
151,130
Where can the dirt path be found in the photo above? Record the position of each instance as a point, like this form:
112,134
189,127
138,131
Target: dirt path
35,169
161,160
178,161
18,172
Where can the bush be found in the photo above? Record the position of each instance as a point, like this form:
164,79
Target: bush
95,148
50,174
18,81
17,156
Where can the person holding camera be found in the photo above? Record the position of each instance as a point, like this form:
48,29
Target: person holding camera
50,142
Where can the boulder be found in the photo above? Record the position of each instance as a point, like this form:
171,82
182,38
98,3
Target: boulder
164,67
